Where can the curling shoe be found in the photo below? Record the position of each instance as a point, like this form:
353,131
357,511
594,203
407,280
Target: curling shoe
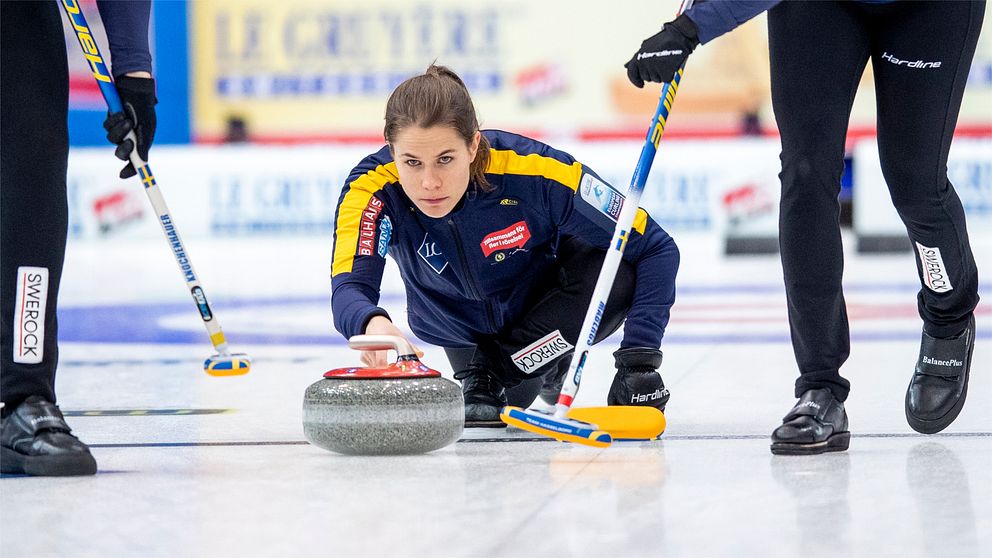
35,440
484,395
817,424
939,385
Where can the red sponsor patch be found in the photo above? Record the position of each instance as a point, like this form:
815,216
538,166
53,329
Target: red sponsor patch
366,230
514,236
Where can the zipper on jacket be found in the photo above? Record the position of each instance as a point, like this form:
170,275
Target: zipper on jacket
470,278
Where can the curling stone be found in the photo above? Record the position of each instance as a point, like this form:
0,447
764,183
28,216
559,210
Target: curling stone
403,408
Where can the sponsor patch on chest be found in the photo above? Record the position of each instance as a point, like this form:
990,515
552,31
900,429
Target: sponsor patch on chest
541,352
430,253
514,236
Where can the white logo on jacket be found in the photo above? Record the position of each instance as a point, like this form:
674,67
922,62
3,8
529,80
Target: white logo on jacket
430,253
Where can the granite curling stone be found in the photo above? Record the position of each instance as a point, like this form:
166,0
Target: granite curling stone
403,408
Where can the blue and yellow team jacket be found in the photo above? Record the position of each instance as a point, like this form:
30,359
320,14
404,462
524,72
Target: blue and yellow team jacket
469,273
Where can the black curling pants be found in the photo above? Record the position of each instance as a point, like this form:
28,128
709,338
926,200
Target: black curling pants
34,151
921,53
558,305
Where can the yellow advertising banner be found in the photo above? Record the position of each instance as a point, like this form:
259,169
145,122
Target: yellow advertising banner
308,70
303,69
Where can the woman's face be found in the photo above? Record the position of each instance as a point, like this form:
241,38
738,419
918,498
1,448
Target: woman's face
434,166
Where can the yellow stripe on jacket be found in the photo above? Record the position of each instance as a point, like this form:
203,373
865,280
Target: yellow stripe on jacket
511,162
360,191
533,164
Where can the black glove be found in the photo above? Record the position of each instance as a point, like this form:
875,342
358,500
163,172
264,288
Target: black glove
138,97
661,55
637,381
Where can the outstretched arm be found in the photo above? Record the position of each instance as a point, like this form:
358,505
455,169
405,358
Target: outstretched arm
126,24
662,54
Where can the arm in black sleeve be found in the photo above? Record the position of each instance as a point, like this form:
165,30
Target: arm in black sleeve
127,30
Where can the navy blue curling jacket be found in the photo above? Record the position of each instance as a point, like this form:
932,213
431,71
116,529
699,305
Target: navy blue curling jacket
468,274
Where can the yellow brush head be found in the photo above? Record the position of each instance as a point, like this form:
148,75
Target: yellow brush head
227,365
623,422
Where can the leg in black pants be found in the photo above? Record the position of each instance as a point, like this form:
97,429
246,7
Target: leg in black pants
34,98
917,112
818,52
562,308
922,53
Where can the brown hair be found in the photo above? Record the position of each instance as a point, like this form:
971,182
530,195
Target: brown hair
437,97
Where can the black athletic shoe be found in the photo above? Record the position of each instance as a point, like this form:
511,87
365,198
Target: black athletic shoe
939,385
35,440
817,424
553,381
485,397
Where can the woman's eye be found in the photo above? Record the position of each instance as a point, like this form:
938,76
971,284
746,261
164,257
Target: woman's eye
444,159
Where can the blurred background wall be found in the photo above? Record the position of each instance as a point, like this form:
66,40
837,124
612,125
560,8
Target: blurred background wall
262,75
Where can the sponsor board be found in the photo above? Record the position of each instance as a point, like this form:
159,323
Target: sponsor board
236,191
116,210
214,191
336,59
969,169
274,65
541,83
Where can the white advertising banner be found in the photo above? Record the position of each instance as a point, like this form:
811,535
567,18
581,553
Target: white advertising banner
728,187
724,187
213,191
969,168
